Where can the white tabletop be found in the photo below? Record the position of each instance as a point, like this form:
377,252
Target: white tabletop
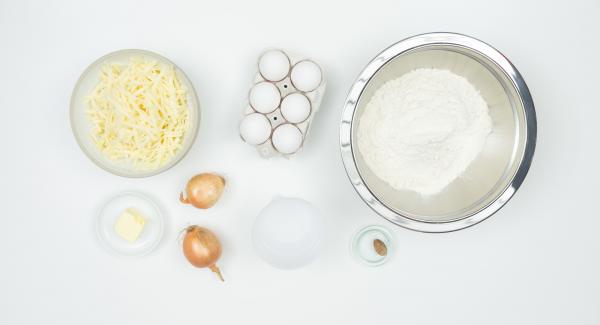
537,261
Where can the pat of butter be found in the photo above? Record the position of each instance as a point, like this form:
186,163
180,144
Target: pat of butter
130,224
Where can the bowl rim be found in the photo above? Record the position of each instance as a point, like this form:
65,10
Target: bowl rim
192,132
370,70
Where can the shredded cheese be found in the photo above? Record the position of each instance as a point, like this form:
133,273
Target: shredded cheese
139,113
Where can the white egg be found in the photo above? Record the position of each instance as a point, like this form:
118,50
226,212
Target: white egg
287,138
255,128
288,233
295,107
274,65
306,75
265,97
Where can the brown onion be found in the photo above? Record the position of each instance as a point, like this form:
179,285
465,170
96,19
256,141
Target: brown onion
203,190
202,248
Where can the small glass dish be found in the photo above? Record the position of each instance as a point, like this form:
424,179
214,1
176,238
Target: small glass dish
362,245
82,126
149,237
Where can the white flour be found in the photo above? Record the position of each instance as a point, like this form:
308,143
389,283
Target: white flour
421,131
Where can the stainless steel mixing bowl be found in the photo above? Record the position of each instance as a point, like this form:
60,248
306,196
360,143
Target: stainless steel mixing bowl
495,175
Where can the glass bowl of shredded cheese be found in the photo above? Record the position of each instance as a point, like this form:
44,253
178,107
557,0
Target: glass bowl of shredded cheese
134,113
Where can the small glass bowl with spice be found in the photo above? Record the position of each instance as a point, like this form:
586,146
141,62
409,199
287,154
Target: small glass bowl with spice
372,245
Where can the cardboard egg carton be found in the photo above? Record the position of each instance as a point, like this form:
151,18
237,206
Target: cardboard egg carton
289,113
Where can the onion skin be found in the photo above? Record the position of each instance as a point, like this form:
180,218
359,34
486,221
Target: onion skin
202,248
203,190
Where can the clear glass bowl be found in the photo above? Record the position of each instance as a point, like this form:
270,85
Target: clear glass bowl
81,125
362,247
110,212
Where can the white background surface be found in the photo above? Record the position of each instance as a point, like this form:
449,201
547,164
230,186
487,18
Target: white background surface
534,262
